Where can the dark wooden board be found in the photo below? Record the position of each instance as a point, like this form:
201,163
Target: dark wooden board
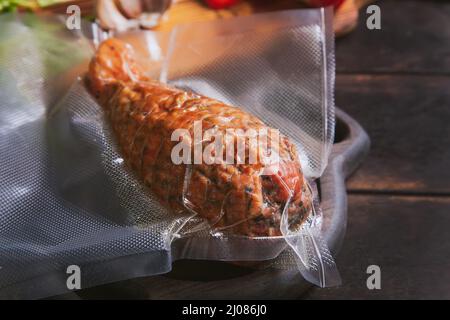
407,118
408,237
414,37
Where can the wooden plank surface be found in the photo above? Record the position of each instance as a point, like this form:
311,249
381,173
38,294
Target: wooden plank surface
407,118
414,38
407,237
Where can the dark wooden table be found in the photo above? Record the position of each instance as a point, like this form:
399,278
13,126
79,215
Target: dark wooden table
396,83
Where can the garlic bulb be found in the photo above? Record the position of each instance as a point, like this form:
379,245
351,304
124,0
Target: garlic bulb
110,17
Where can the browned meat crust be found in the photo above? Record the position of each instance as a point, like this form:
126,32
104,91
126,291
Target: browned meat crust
144,113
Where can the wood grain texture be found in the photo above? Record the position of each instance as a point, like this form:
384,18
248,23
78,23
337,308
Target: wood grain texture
185,11
414,37
407,119
406,236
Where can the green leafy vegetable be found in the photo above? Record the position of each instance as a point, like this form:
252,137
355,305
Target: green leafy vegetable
13,5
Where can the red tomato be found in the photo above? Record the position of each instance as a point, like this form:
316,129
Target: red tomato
220,4
324,3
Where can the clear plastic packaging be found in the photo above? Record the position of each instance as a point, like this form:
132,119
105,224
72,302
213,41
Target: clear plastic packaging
67,197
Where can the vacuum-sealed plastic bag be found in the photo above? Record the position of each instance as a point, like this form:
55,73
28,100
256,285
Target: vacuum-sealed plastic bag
69,198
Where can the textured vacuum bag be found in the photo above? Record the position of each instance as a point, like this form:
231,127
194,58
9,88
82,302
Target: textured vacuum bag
67,196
